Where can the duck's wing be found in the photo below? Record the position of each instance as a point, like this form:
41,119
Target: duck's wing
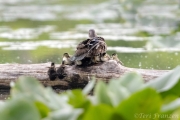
83,44
98,47
81,50
80,54
90,47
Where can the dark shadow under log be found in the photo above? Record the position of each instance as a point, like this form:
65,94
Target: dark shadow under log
77,76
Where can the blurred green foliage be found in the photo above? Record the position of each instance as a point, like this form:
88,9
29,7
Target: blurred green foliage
127,98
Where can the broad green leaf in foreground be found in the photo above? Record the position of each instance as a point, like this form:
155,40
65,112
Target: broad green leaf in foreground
32,89
171,106
99,112
132,81
175,114
43,109
65,114
146,101
89,87
119,89
116,92
2,104
78,99
174,91
101,93
166,82
19,109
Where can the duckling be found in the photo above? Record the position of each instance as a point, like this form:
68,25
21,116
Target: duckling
90,47
78,62
105,57
67,59
60,71
96,59
115,57
52,72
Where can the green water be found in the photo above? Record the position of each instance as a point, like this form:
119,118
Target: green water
145,34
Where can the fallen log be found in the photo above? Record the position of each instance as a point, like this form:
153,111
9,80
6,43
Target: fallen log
77,76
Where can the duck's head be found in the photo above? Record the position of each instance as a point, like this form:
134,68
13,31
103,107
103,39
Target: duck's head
52,64
92,33
114,55
104,54
62,64
105,57
66,55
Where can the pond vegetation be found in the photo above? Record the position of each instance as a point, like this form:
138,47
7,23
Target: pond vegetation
141,32
127,98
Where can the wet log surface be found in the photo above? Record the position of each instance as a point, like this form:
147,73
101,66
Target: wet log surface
77,76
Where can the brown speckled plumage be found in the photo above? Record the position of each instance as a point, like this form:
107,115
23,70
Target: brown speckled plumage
90,47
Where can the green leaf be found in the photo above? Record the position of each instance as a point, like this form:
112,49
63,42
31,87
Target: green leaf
89,87
132,81
173,91
146,101
33,90
100,93
165,82
2,104
19,109
99,112
116,92
175,115
78,99
27,85
43,109
65,114
171,106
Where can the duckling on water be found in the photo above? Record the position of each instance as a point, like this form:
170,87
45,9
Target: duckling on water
52,72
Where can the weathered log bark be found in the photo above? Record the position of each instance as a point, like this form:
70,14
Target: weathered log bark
76,75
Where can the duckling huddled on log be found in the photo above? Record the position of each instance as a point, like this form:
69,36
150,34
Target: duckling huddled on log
115,57
60,71
52,72
67,59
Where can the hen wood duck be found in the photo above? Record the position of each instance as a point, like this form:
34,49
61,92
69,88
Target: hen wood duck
52,72
91,47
